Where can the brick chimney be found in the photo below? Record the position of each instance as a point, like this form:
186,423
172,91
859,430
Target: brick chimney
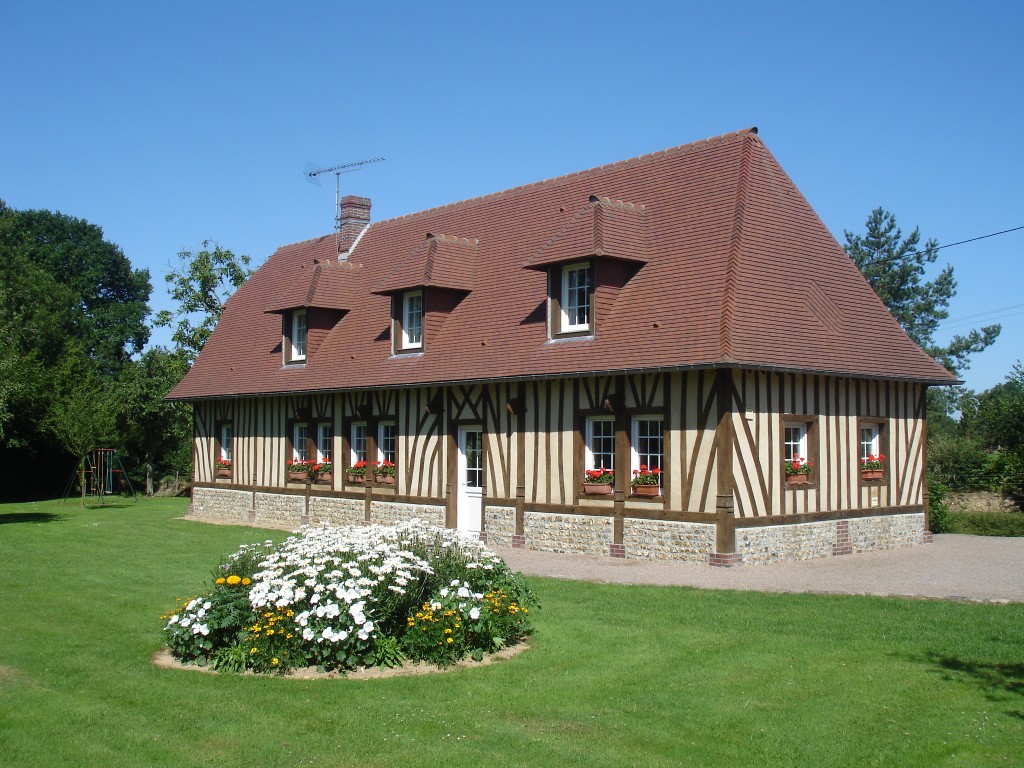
353,216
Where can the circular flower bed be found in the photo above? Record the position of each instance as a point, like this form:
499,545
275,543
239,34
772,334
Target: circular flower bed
338,598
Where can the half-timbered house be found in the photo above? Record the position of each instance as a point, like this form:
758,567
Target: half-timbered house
685,311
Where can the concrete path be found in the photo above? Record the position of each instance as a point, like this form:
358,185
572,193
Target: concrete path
953,567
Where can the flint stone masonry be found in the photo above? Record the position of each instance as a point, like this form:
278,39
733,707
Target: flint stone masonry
334,511
279,508
891,532
392,513
806,541
668,541
500,525
224,504
579,534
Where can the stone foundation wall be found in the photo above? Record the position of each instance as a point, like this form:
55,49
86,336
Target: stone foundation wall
578,534
392,513
667,541
224,504
333,511
279,508
871,533
806,541
500,525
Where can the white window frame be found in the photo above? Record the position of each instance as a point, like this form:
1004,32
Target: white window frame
357,442
409,341
385,453
226,437
300,441
569,308
872,446
324,439
793,449
639,458
299,337
591,435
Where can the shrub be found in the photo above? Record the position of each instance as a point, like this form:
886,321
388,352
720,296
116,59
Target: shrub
338,598
987,523
938,512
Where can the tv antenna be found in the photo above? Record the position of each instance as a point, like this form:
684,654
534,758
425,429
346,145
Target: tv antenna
313,174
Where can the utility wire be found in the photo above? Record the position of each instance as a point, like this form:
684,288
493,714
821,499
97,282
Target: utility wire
928,251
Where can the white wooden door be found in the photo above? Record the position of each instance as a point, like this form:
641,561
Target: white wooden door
468,512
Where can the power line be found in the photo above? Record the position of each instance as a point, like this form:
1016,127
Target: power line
972,318
928,251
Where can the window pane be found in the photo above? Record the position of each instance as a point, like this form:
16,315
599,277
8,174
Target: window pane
796,443
648,443
299,336
600,443
576,298
324,441
358,443
412,320
386,442
474,460
226,435
868,441
300,447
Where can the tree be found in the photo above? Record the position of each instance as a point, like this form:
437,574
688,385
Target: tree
201,284
155,435
65,292
81,414
895,268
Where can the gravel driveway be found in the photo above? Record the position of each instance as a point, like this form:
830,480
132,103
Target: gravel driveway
953,567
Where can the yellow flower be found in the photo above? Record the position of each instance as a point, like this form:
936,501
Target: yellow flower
220,580
233,580
252,651
246,581
274,661
450,640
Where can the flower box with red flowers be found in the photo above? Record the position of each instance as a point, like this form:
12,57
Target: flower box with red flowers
357,472
384,472
798,471
223,467
299,470
873,467
646,481
598,482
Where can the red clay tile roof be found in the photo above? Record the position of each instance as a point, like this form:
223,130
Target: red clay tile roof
445,262
603,227
735,269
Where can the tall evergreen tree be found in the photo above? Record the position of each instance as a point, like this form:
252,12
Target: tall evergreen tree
895,268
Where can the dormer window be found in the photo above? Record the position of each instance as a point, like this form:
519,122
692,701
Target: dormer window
295,341
407,324
576,298
571,300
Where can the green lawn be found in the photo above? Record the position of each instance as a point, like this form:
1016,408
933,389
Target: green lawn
617,675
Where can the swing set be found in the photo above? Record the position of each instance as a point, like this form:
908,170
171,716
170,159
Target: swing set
103,474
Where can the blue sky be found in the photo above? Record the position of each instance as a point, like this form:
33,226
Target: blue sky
169,124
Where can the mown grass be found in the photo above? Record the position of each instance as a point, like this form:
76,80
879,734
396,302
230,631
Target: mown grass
616,675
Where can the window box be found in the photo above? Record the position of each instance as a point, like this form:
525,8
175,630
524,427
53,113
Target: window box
646,490
597,489
798,480
325,478
872,474
224,472
297,477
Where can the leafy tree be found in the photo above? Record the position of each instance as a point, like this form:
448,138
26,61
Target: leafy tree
65,293
155,435
81,414
66,282
895,268
201,284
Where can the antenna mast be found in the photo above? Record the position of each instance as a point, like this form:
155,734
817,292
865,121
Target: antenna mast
312,174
